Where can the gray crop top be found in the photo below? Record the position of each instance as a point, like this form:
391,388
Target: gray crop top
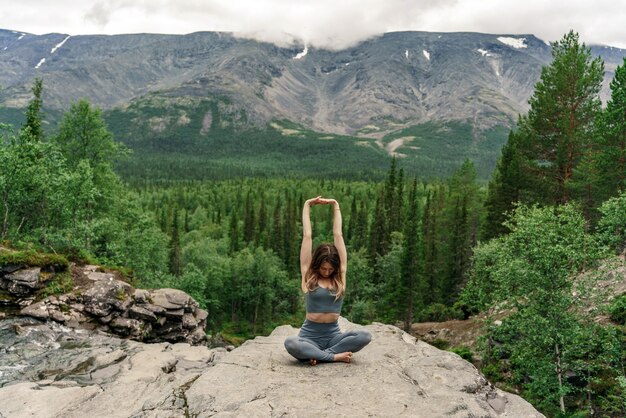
322,300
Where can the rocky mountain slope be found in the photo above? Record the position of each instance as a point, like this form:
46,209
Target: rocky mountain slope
385,83
74,373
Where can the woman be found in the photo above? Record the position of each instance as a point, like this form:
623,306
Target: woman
324,284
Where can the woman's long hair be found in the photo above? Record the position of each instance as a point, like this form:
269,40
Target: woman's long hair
325,253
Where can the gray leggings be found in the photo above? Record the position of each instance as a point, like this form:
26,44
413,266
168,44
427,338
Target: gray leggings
321,341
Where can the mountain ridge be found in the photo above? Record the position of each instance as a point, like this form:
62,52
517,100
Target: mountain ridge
394,80
241,106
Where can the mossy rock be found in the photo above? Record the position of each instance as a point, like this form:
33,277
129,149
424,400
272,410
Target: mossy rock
6,298
32,258
56,284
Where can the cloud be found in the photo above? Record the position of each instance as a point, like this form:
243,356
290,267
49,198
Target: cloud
332,24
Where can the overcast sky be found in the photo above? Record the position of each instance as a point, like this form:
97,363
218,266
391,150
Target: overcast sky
322,23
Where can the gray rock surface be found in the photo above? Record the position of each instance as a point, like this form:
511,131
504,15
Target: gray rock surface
111,305
100,300
47,370
21,282
394,376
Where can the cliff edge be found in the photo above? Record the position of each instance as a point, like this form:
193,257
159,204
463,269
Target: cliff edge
48,370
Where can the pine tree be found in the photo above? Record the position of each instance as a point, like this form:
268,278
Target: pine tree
412,287
378,241
262,233
611,161
463,216
389,202
233,233
556,132
359,239
248,220
276,237
175,261
397,215
32,124
352,221
504,189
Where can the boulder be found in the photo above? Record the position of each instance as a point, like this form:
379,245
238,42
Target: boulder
21,283
395,375
173,299
139,312
107,295
128,327
37,310
99,300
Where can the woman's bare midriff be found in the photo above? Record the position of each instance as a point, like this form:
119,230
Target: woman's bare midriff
323,317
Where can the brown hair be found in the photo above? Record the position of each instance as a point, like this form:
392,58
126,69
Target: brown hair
325,253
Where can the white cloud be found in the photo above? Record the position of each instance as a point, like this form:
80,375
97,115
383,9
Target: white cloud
321,23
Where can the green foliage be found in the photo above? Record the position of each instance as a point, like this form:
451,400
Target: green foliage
545,337
492,372
505,188
617,309
438,312
208,138
610,155
61,283
612,224
33,258
32,125
552,156
561,120
464,352
63,195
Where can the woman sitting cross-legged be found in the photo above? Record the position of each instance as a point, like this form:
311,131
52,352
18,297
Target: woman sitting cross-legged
324,284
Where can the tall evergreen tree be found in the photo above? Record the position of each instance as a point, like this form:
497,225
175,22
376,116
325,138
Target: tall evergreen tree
560,124
378,244
249,223
611,159
262,233
390,204
412,286
463,208
33,121
352,221
504,189
276,236
175,260
359,239
233,233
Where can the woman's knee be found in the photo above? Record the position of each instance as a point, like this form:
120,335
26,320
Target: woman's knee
291,344
365,336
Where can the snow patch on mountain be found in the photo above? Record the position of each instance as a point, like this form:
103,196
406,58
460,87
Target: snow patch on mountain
40,63
303,53
59,45
484,52
514,42
426,54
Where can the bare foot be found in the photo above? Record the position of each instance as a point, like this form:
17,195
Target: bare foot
345,357
313,362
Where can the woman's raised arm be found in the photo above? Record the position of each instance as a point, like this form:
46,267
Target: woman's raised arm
307,238
338,237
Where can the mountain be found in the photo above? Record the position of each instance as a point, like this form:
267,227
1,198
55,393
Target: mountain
371,92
